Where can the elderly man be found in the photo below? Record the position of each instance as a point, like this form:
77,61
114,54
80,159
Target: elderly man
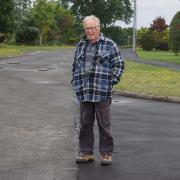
97,66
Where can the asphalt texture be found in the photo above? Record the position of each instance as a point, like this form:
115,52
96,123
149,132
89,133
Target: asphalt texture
39,127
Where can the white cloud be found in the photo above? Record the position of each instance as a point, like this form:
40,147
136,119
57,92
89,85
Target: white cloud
148,10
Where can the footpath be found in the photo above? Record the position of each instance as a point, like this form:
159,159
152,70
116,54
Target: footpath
129,54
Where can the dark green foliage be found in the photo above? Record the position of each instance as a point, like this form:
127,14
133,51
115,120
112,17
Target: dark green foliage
22,4
22,9
159,28
6,15
108,11
117,34
52,21
25,30
162,45
27,35
147,41
174,33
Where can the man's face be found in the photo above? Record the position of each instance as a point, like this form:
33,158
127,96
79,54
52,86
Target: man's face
92,30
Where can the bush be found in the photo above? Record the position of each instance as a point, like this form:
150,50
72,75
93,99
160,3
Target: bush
147,41
162,45
117,34
27,35
73,40
174,33
2,37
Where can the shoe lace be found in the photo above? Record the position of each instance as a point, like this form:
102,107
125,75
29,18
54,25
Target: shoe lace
105,156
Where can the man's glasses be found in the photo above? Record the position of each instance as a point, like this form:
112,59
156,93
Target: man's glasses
90,28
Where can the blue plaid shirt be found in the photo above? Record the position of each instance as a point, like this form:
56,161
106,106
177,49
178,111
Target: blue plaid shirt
105,71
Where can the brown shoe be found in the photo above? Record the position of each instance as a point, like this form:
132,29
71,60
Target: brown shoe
84,158
106,159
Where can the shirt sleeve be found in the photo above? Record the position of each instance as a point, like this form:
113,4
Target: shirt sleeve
117,61
73,66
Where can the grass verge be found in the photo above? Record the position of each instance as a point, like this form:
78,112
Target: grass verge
165,56
149,80
12,50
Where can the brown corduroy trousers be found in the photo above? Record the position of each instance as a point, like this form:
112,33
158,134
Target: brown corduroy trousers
88,112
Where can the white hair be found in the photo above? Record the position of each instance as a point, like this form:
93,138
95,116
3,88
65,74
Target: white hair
96,19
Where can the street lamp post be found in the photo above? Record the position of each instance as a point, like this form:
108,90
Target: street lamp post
129,41
134,28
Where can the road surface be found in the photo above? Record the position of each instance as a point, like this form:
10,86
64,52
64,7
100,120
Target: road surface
38,118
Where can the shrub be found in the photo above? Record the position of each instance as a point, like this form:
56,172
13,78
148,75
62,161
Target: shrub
117,34
2,38
27,35
147,41
162,45
174,33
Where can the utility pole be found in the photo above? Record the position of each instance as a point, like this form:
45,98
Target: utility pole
134,28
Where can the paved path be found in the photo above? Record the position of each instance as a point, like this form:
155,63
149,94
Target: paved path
127,53
38,127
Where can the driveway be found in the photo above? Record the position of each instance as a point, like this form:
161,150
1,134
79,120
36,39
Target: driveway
39,122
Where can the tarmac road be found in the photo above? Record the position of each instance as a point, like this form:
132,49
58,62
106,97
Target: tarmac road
38,135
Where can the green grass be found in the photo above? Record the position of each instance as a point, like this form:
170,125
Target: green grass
13,50
165,56
149,80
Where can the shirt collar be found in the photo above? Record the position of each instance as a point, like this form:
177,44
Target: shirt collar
101,38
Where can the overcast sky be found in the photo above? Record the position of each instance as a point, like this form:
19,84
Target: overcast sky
148,10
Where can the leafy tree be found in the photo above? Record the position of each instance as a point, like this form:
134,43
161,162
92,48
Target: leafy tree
27,35
63,3
64,21
22,4
147,40
159,24
119,35
159,28
174,33
26,32
21,8
63,29
140,34
109,11
6,15
22,14
43,17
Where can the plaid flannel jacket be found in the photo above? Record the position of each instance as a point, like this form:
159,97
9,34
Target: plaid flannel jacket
106,69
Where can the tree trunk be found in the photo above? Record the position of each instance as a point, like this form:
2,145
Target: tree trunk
40,39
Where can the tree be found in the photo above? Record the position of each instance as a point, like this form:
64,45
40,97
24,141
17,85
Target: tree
27,35
159,28
6,15
25,31
22,14
43,17
118,34
146,39
64,21
140,34
159,24
22,4
109,11
174,33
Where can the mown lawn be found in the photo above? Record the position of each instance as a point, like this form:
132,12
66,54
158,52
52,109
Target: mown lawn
12,50
149,80
166,56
